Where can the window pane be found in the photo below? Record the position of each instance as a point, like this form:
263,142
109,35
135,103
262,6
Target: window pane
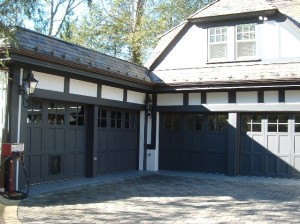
217,122
246,127
176,122
256,128
60,119
127,120
189,122
282,128
283,118
297,127
119,124
198,122
272,127
102,119
256,118
297,118
272,118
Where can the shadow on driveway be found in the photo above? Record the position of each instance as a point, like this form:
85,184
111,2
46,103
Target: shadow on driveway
166,198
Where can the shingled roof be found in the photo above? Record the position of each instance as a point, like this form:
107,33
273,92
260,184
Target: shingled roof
47,48
221,10
228,74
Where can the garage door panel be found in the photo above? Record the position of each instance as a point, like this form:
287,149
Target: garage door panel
164,159
257,164
80,164
272,143
176,160
36,168
55,146
221,142
283,165
284,144
296,165
272,165
36,140
195,146
256,144
297,144
80,140
186,160
198,161
211,142
60,140
50,139
71,165
246,143
72,143
117,140
245,163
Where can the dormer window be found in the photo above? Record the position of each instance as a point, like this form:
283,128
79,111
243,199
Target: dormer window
245,41
218,43
232,43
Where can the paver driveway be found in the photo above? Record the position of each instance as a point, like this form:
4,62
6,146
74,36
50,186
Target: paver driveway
160,198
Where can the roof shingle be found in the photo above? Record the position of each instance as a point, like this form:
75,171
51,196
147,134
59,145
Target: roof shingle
43,45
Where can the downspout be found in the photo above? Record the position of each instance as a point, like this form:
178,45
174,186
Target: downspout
145,141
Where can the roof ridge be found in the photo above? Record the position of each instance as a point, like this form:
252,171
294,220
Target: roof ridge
202,9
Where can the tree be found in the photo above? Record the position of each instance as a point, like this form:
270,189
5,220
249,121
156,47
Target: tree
12,13
51,16
129,28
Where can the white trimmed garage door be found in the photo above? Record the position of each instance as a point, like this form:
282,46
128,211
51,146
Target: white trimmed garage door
270,145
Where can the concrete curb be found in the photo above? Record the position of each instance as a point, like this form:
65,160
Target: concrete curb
10,213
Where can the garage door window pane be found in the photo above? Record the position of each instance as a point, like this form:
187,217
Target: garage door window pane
251,123
297,123
172,122
278,123
102,118
76,115
283,118
297,118
56,114
35,112
194,122
272,118
256,127
283,128
127,120
217,122
116,119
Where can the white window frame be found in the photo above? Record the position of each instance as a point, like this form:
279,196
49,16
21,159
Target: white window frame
248,36
218,39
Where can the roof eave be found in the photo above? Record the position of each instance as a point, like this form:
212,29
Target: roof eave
243,15
68,63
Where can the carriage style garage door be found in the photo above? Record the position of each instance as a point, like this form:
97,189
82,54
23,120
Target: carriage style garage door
56,141
117,140
193,142
270,145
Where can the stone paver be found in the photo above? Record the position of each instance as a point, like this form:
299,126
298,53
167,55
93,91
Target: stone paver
159,198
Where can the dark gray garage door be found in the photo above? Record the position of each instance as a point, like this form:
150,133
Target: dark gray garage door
193,142
117,140
56,141
270,145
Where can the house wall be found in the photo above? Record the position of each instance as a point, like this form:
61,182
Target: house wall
56,83
244,101
275,41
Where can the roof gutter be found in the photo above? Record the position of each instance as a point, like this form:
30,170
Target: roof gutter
236,87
